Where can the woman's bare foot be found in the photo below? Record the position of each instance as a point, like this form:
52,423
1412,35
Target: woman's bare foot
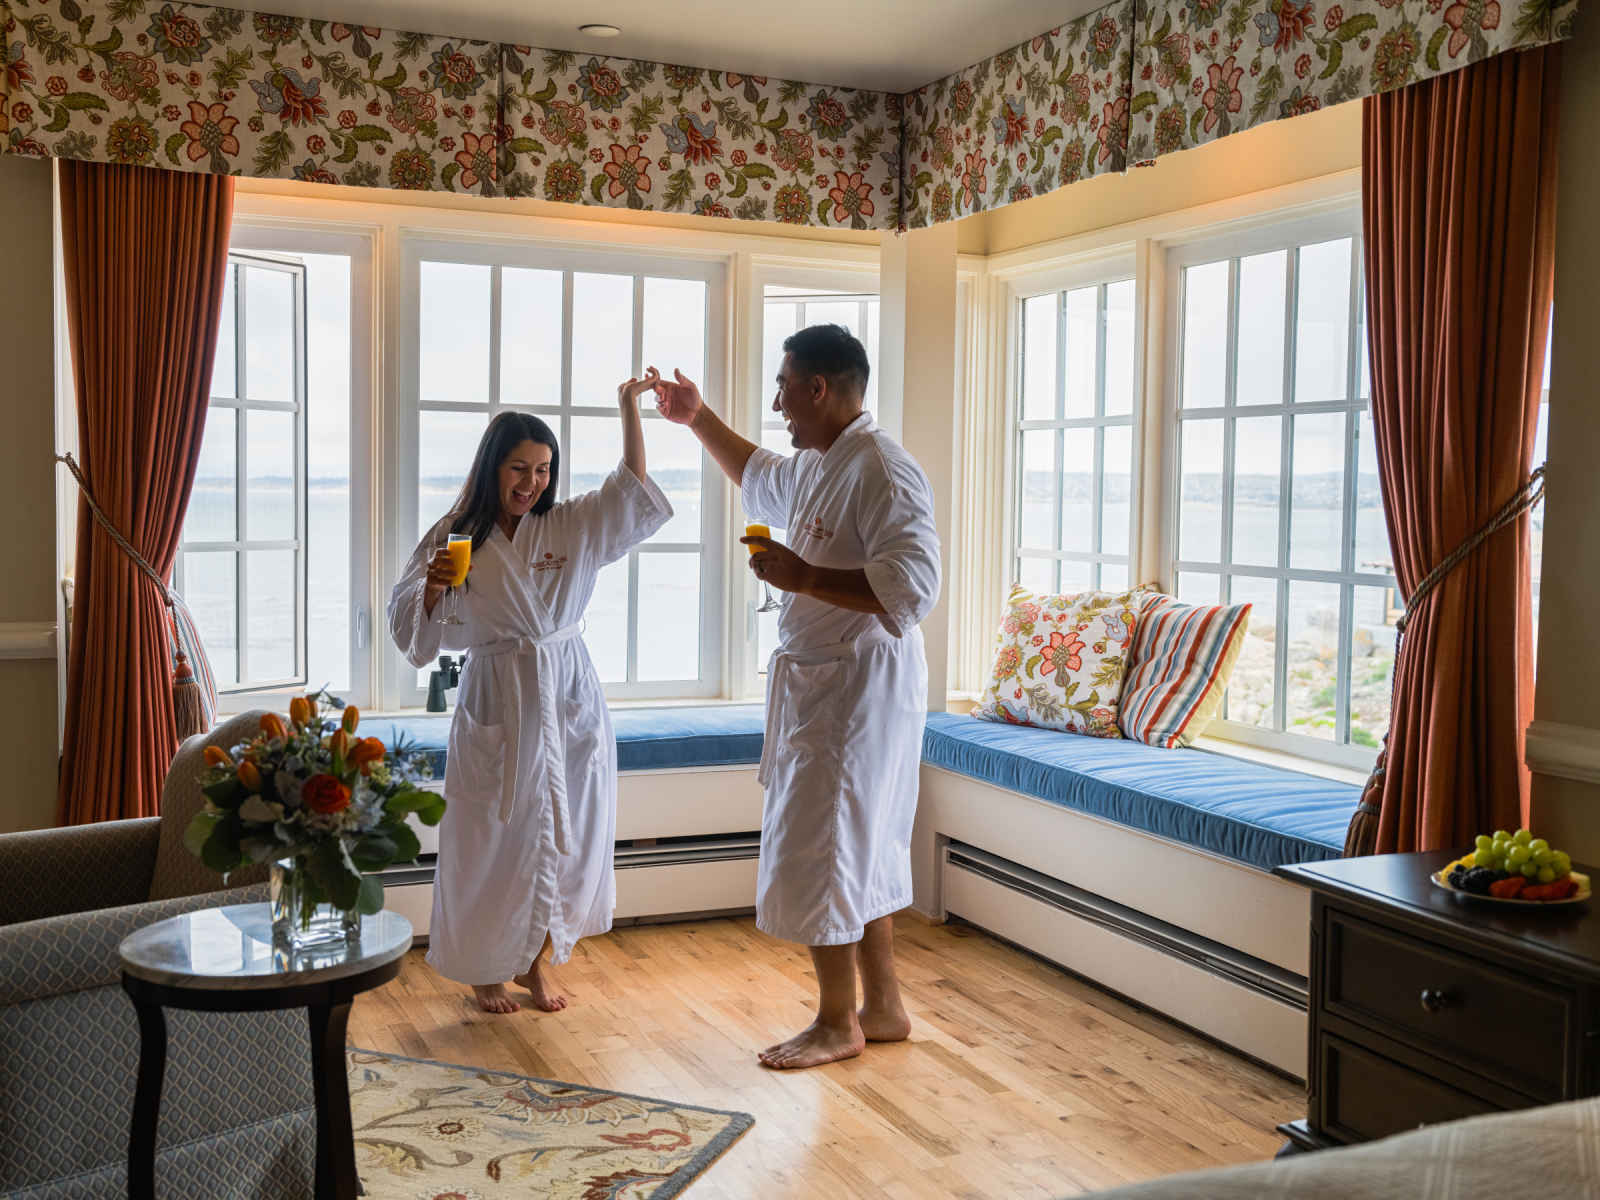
813,1046
545,996
886,1025
493,998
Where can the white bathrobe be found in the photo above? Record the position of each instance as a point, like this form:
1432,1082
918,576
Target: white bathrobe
526,845
847,692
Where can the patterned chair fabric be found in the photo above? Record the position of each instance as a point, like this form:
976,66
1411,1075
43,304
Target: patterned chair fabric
237,1117
177,872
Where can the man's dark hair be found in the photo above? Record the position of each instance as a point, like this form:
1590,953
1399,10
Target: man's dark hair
833,352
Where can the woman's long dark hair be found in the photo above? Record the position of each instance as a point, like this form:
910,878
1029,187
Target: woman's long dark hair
477,508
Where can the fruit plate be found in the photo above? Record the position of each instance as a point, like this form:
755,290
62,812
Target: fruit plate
1578,897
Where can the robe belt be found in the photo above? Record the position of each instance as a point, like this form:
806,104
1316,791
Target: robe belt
550,748
778,669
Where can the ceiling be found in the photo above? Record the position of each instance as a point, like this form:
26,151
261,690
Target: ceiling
885,45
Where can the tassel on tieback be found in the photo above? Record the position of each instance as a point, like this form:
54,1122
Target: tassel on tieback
187,710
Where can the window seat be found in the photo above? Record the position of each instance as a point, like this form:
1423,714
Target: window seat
1255,814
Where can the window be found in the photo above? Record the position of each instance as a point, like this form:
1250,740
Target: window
1276,498
553,333
787,310
270,537
1073,421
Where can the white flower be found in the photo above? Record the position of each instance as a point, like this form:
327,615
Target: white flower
257,808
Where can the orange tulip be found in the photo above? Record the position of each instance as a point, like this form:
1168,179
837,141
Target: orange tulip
366,752
300,711
339,742
250,776
272,726
352,718
218,757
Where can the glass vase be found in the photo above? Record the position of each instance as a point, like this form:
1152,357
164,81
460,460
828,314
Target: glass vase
299,922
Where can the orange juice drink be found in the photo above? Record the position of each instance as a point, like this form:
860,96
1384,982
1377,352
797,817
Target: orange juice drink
459,548
756,531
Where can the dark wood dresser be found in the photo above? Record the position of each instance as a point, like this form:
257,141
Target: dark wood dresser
1426,1007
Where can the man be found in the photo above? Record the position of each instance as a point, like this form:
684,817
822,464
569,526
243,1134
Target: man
847,688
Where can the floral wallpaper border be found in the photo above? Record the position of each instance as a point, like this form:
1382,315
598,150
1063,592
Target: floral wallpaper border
1206,68
200,88
1034,118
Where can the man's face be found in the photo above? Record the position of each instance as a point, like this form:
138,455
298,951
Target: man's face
799,401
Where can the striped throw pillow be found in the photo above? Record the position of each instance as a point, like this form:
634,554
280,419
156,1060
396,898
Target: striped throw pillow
1182,657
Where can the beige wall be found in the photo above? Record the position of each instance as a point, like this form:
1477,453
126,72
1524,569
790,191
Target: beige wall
1266,157
1567,704
27,585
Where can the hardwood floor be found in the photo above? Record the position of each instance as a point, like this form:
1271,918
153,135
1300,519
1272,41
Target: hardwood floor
1018,1081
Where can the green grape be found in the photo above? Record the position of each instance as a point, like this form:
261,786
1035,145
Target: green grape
1500,835
1546,875
1483,858
1542,857
1538,844
1484,841
1529,869
1522,837
1562,862
1517,855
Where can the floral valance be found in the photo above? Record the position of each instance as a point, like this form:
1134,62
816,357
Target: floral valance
1206,68
194,87
200,88
1037,117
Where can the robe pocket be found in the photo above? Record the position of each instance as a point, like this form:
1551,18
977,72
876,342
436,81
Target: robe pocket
476,761
817,711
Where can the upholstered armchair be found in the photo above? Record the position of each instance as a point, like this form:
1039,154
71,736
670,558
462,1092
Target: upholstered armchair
237,1114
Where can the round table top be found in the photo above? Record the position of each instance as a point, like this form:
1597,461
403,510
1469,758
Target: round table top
231,949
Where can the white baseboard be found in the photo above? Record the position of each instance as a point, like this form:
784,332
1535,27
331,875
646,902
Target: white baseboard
1565,751
1264,1028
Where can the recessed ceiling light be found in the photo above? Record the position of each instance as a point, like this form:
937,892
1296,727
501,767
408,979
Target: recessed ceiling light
599,30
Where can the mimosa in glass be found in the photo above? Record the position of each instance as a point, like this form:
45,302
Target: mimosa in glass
770,603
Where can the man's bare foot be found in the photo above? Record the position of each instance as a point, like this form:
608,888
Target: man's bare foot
813,1046
493,998
886,1025
545,996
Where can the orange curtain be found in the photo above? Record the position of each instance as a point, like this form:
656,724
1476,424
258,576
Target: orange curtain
1459,192
145,253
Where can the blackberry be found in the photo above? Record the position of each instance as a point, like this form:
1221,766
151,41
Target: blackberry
1478,880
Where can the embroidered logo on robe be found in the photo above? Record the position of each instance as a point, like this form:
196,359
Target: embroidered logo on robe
550,563
814,528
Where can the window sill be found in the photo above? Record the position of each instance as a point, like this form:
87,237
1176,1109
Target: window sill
692,702
1279,758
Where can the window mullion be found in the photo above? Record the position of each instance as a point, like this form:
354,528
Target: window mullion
242,468
1291,319
566,381
494,338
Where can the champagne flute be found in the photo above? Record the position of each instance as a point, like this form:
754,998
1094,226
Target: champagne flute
459,547
770,604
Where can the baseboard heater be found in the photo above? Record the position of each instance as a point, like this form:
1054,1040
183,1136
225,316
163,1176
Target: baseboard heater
1240,969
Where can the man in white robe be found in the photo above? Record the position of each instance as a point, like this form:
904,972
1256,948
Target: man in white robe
527,845
847,689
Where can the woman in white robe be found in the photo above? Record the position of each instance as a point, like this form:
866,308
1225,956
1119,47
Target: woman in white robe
527,841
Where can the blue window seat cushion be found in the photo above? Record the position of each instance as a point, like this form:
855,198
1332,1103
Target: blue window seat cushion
1250,812
648,739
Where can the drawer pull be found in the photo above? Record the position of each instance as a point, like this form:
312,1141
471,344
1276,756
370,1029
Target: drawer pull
1433,1000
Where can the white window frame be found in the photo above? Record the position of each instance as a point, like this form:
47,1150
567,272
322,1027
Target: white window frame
748,674
1097,271
285,239
247,692
526,253
1270,233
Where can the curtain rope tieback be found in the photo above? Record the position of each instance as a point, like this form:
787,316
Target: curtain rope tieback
1362,835
115,535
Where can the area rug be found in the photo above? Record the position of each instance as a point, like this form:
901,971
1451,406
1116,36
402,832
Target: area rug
437,1131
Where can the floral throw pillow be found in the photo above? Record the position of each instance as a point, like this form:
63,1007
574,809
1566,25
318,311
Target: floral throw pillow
1059,661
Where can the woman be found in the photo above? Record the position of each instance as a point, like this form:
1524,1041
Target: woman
525,850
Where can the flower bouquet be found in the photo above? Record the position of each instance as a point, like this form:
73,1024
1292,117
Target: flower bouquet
321,805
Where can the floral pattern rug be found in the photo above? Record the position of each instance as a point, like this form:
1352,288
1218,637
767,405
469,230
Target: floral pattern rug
436,1131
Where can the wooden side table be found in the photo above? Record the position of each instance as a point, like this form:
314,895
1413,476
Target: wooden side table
1427,1007
223,960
